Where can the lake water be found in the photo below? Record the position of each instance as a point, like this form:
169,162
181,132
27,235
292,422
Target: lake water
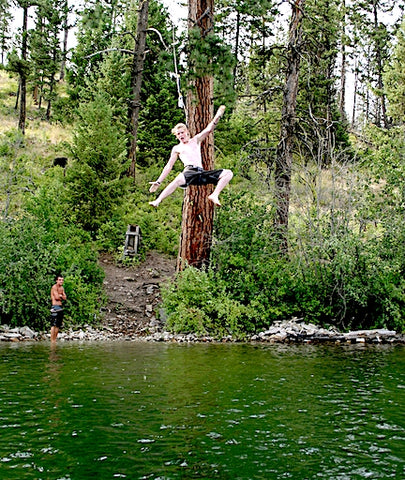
228,411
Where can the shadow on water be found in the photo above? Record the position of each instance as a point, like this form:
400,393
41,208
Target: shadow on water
163,411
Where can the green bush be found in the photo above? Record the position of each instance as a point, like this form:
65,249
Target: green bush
111,235
30,256
197,303
333,277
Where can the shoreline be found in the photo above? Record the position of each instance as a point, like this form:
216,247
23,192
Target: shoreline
283,332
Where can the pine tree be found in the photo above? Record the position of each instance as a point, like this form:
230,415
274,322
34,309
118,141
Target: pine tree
117,70
98,23
95,182
45,51
246,25
159,96
394,79
321,127
65,12
372,36
136,80
198,211
343,52
5,29
285,147
21,65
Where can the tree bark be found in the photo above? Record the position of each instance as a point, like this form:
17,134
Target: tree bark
381,109
65,40
136,80
237,40
342,95
23,79
354,109
198,211
285,146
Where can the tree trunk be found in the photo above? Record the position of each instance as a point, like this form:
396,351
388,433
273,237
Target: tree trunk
330,95
237,40
285,146
342,96
381,113
366,100
51,90
52,84
17,97
23,79
354,109
198,211
65,40
136,80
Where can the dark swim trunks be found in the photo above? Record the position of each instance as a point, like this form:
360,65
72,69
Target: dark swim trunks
199,176
56,316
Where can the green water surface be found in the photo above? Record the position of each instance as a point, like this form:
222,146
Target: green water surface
229,411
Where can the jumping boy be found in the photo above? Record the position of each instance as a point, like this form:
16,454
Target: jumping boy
189,151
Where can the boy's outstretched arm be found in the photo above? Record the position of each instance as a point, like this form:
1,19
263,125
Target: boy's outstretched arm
165,172
211,126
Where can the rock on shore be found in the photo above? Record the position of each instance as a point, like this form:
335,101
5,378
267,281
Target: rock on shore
287,331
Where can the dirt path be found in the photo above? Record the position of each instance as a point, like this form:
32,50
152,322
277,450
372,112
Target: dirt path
134,292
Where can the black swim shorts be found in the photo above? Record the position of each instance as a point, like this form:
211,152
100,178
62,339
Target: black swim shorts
199,176
56,316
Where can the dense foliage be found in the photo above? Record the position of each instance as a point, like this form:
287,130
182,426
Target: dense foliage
35,246
346,259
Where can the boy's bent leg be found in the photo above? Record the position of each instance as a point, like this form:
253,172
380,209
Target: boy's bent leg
177,182
224,179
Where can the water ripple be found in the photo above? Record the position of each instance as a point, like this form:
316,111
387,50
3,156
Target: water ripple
174,412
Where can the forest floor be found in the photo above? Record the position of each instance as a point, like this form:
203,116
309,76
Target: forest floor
133,293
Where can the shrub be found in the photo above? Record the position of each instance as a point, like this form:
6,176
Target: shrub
334,276
29,259
197,303
94,181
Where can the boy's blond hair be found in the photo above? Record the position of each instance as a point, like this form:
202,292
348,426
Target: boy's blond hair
177,128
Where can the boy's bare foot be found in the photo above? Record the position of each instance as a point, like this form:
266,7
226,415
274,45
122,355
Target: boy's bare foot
215,200
155,203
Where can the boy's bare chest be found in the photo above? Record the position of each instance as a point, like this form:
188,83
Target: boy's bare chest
188,152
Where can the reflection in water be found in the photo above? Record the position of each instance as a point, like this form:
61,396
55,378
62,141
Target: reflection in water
134,410
52,382
53,366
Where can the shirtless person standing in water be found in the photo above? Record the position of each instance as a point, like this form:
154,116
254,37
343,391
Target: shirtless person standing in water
189,152
57,296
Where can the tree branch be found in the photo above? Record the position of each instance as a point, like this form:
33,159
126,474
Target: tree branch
122,50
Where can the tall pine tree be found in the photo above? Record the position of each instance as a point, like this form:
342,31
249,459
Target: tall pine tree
394,79
5,29
45,51
372,34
